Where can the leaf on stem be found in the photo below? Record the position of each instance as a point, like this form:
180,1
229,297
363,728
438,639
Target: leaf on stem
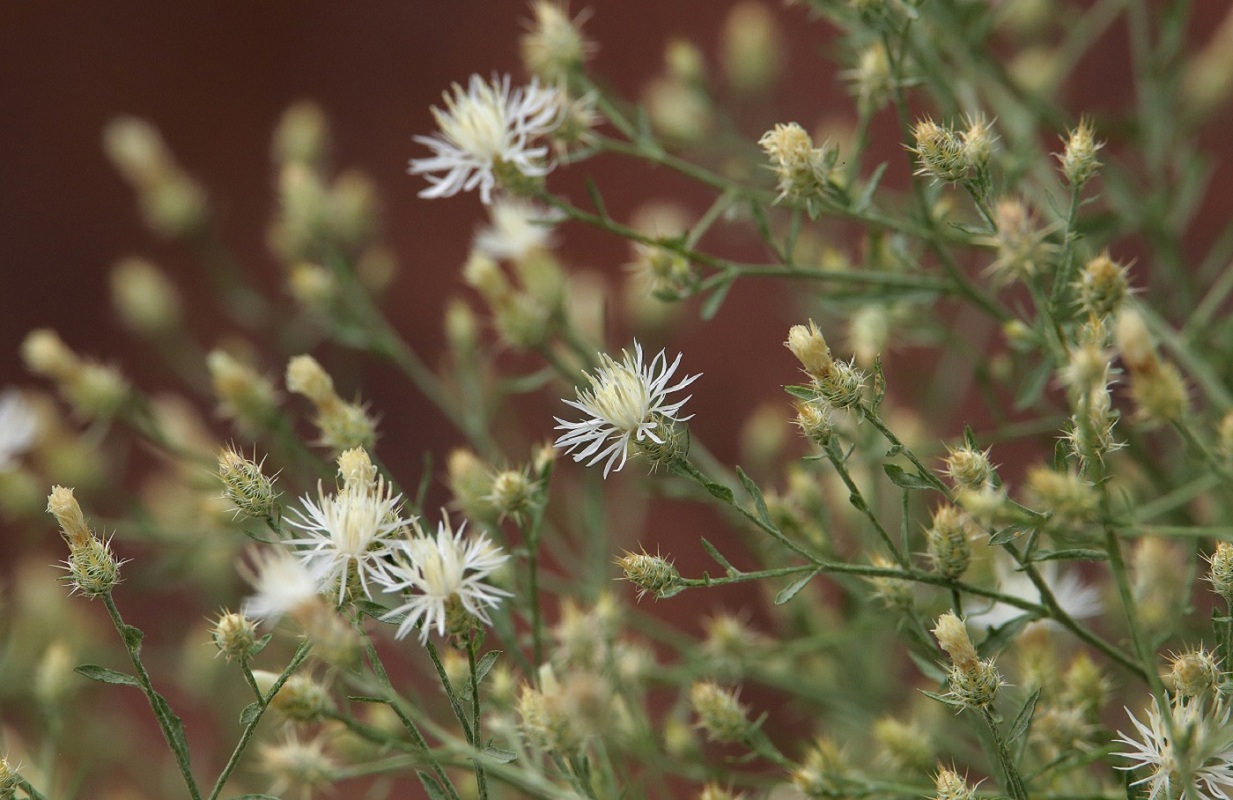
904,479
794,588
103,675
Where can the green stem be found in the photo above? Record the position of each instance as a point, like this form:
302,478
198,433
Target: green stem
481,782
167,721
1014,781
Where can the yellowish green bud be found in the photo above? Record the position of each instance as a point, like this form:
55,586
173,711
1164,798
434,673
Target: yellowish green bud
719,713
300,698
903,744
1070,497
969,467
312,285
823,771
1220,576
246,485
295,766
1021,248
650,573
353,210
751,47
940,152
235,636
553,48
64,507
513,493
897,593
1193,673
947,538
146,301
302,136
542,716
952,786
1102,286
803,171
1078,160
243,394
470,479
54,678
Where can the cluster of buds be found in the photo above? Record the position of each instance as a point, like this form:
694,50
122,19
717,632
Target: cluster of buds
93,569
343,425
93,389
1086,377
804,172
172,203
1156,386
841,384
951,156
973,683
1078,161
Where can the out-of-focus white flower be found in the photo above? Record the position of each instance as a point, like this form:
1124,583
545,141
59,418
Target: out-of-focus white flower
1188,753
282,583
18,426
627,401
438,574
1076,598
351,528
485,127
518,228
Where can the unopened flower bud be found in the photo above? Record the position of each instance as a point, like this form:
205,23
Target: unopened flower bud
978,144
307,377
904,744
947,538
823,771
343,425
871,77
894,592
355,467
1220,576
235,636
93,569
1193,673
543,718
1160,394
719,713
650,573
302,136
312,285
1102,286
553,48
64,507
1070,497
952,786
810,348
145,299
1134,341
513,493
300,698
940,152
803,170
243,394
1021,247
751,46
54,678
246,485
295,766
1079,163
969,467
353,211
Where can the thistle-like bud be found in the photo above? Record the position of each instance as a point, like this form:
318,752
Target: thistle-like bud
978,142
973,682
1078,160
1102,285
343,425
300,698
235,636
719,712
969,468
947,538
246,485
513,493
470,479
172,203
1021,248
9,780
940,152
1134,341
295,766
302,136
1220,576
952,786
1160,395
650,573
810,348
871,77
894,592
1084,686
1070,497
542,717
146,301
553,48
823,771
903,744
1193,673
751,47
803,170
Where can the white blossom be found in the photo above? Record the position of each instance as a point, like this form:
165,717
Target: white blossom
1077,598
18,426
352,528
430,572
282,583
485,126
518,227
1187,753
627,402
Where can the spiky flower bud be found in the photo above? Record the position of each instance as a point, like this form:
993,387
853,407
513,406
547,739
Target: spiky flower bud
871,77
302,767
969,468
973,682
93,569
752,48
810,348
894,592
814,420
9,780
947,538
1193,673
650,573
1160,394
513,493
235,636
1070,497
1020,242
1102,286
903,744
940,152
719,713
1220,576
542,717
246,485
1078,160
803,171
300,698
823,771
978,142
952,786
553,48
343,425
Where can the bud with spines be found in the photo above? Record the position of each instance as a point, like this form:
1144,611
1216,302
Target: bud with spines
947,538
1078,160
649,573
1220,576
93,568
973,682
246,485
235,636
719,712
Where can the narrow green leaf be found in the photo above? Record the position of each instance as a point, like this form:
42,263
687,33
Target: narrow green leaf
434,790
710,306
794,588
596,198
250,713
103,675
999,638
941,698
929,668
802,392
260,644
173,725
969,437
764,513
720,491
486,663
378,612
1009,534
132,638
719,558
866,195
1077,554
904,479
361,698
500,755
1034,385
1024,719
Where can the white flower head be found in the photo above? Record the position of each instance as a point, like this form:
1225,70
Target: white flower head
18,426
487,126
436,572
1187,751
1078,599
518,227
352,528
627,402
282,583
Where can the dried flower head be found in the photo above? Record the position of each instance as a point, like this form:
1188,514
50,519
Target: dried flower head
1185,749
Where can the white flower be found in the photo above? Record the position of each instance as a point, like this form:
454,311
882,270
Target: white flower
436,572
351,528
518,228
483,127
1076,598
1189,753
18,425
627,402
281,581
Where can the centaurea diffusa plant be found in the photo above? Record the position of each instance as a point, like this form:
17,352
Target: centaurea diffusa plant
942,588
